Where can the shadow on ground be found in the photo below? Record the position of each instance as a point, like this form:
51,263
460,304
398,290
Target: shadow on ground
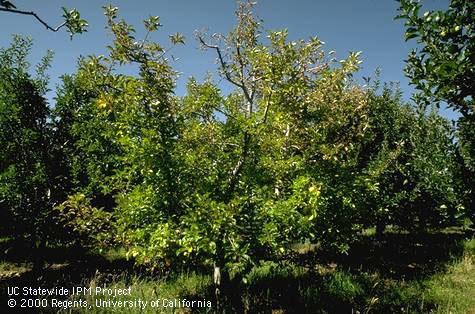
54,267
403,256
373,277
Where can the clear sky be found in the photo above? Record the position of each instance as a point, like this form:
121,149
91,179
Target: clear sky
344,25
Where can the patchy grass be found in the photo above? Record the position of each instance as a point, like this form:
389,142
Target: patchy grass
398,273
275,288
189,286
454,290
12,268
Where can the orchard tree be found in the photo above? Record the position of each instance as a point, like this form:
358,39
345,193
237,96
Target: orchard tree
409,167
37,166
228,180
24,177
444,70
245,167
287,130
213,179
116,131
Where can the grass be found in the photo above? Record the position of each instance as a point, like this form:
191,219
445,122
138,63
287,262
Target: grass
399,273
454,290
189,286
292,289
8,269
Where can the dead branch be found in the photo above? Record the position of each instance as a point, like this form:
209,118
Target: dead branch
31,13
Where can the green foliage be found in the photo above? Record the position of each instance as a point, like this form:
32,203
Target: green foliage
85,155
177,38
409,174
89,226
24,172
118,132
210,178
444,68
73,22
72,18
152,23
466,135
297,152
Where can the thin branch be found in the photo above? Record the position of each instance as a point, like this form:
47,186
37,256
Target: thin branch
223,63
234,175
266,111
31,13
227,115
244,88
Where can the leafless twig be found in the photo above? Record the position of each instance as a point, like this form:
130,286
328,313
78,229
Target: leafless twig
31,13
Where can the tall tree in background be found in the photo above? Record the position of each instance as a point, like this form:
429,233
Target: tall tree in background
444,70
408,162
444,67
24,180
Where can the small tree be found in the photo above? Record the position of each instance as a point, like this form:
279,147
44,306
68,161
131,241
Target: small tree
224,180
229,180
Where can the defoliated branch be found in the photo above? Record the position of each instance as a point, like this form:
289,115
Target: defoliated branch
31,13
72,20
224,66
223,63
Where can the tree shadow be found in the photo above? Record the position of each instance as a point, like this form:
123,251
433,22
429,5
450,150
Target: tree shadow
374,276
403,256
56,267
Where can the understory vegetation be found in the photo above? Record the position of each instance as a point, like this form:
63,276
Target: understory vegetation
299,190
433,273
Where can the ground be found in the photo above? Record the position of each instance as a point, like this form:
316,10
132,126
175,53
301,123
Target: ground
397,272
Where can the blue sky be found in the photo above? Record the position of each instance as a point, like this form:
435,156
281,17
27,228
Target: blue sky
344,25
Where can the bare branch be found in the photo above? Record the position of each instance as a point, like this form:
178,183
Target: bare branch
266,111
223,63
236,171
234,175
244,88
31,13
